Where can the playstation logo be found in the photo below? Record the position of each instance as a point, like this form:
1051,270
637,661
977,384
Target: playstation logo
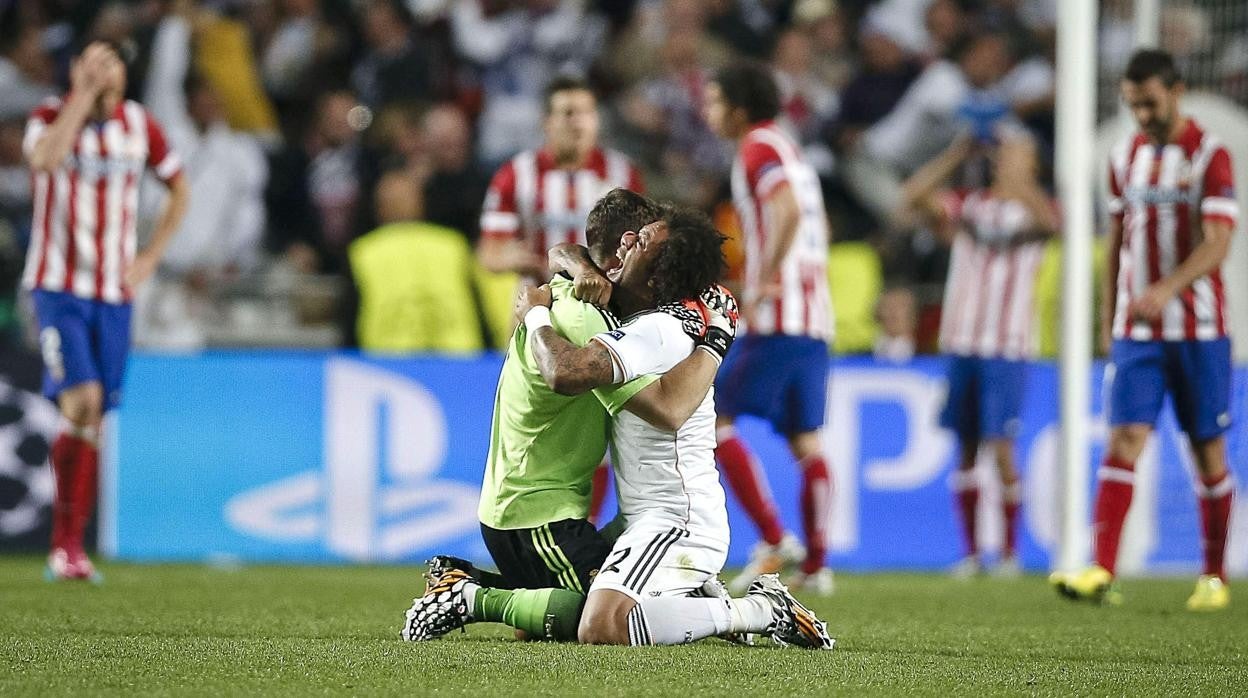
376,497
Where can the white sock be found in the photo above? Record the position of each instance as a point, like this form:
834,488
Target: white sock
750,614
680,619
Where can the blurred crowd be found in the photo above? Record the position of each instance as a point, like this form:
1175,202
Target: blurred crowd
289,113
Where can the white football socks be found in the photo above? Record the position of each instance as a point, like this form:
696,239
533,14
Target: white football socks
680,619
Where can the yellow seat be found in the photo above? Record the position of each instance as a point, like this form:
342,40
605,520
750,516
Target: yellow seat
855,280
416,290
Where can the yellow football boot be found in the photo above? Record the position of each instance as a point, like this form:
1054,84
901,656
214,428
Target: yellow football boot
1211,594
1093,583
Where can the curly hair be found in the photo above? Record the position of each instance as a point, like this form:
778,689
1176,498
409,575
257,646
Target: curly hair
692,257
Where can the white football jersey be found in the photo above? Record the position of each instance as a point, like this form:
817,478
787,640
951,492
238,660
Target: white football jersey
660,474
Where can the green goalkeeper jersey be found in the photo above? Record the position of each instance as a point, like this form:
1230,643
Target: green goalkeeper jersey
544,447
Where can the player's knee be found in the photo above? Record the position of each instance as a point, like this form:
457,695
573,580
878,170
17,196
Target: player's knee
806,444
1127,441
83,405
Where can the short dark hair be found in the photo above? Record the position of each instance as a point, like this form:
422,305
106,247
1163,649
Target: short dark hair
749,85
616,213
1149,63
692,257
563,83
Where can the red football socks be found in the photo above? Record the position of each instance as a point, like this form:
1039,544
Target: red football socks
75,463
1215,514
1113,500
816,503
966,492
1011,499
749,484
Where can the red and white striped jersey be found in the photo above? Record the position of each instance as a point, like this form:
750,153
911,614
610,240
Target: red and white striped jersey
989,308
768,158
533,200
1162,195
83,234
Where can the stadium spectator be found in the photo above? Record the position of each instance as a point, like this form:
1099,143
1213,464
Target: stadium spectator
637,55
824,21
395,67
518,49
898,317
886,73
779,368
82,271
223,230
997,234
318,188
807,103
974,93
454,185
676,141
1173,215
26,70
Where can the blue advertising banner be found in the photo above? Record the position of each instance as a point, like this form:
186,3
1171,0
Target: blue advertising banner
322,457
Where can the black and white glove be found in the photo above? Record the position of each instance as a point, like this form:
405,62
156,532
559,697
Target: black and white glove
721,320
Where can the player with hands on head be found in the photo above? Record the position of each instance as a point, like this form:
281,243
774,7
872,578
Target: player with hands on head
88,152
997,234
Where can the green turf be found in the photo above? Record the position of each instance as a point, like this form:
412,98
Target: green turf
301,630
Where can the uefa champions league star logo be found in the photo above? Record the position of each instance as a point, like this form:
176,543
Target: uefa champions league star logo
376,498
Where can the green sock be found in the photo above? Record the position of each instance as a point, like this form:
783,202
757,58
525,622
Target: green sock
550,614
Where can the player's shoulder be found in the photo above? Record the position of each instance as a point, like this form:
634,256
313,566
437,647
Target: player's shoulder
1203,142
765,143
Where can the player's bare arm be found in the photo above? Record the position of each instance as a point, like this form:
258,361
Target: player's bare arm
1109,284
784,217
569,369
87,80
589,284
566,368
919,192
1209,254
146,261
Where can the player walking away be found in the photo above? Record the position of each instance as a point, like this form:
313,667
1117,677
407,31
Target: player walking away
779,369
1173,214
88,152
997,234
676,535
541,198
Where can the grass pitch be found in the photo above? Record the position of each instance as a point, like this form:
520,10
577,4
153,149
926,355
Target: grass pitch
180,629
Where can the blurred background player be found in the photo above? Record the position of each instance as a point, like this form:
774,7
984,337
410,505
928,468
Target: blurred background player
779,369
88,152
1173,210
997,234
541,198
